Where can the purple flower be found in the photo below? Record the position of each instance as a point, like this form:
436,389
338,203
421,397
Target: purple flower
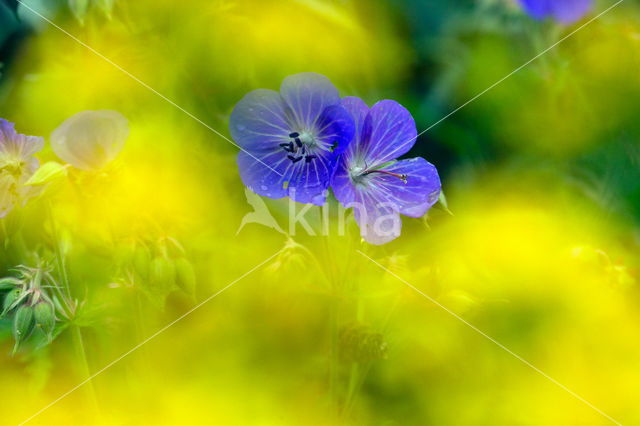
373,182
564,11
17,165
291,140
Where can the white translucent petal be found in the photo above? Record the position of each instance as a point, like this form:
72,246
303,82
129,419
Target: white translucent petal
90,139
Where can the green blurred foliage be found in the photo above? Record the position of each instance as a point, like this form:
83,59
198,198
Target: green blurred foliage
537,248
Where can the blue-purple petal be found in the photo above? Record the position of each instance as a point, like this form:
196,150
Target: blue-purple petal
264,180
7,130
564,11
393,133
342,185
308,95
17,145
569,11
538,9
420,191
378,220
336,128
380,198
309,182
358,110
303,181
259,121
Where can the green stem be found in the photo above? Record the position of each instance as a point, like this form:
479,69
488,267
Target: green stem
334,359
354,378
85,371
60,263
355,374
359,377
143,354
76,333
334,324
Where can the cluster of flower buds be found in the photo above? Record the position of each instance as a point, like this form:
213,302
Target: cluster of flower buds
158,268
28,301
360,343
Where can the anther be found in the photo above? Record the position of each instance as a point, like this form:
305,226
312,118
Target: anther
308,158
299,142
294,135
294,159
288,147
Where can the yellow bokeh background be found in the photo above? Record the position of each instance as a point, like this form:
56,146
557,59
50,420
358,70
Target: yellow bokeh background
524,257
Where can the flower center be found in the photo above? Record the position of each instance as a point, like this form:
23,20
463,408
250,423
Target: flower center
298,147
358,174
307,139
12,167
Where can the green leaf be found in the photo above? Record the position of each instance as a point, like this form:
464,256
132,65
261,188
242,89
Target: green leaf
79,9
47,173
8,283
443,203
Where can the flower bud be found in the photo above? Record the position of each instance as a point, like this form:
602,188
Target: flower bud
359,343
141,261
10,300
163,273
45,318
22,324
185,276
162,280
90,140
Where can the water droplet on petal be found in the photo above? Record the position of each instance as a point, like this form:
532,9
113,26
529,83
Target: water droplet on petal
264,187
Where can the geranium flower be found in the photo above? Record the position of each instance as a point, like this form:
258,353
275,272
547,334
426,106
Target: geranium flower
291,140
89,140
564,11
371,180
17,165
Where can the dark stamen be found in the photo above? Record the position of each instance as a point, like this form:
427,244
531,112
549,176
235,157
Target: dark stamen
299,142
291,148
294,159
294,135
288,147
308,158
384,172
333,146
